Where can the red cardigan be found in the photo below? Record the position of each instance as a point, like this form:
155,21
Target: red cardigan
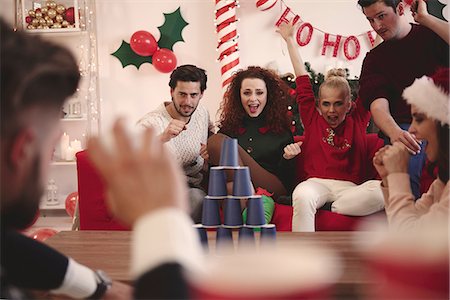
344,153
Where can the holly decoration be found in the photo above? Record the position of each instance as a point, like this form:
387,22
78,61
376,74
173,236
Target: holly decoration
170,33
127,56
171,30
436,8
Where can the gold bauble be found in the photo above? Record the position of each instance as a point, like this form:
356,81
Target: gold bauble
46,18
59,18
38,15
51,4
30,26
40,27
32,13
65,23
44,10
49,22
42,22
35,22
60,9
46,27
56,26
51,13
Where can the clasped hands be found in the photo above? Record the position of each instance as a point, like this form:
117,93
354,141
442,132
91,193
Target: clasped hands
391,159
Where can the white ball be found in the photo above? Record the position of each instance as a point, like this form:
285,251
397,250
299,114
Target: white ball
264,5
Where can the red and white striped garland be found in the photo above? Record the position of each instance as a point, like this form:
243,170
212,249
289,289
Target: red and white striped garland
227,44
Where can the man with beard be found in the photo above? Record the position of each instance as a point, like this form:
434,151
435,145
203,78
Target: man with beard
36,78
184,126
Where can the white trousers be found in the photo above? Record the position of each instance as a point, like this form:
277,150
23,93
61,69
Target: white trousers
347,198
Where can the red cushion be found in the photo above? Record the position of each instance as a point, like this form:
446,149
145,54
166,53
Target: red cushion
325,220
94,214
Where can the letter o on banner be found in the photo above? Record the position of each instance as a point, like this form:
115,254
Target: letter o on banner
357,47
308,36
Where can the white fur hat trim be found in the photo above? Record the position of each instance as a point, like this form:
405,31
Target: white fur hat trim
429,98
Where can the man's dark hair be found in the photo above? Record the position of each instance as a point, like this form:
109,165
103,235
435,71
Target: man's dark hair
391,3
34,73
188,73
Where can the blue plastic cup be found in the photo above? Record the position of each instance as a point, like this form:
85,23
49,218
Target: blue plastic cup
229,153
202,234
217,186
246,234
255,212
268,233
224,240
233,213
210,213
242,183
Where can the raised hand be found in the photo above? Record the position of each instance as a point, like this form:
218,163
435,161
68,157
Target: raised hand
286,30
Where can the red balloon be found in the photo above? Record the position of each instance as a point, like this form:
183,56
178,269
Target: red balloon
43,234
164,60
143,43
70,15
71,203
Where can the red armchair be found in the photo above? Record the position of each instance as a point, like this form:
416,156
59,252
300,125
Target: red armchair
93,213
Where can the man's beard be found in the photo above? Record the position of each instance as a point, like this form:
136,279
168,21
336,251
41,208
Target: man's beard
180,111
24,208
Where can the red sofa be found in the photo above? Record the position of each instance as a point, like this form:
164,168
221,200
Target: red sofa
93,213
325,219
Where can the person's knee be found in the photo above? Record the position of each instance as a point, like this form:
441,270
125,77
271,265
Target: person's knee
304,196
361,202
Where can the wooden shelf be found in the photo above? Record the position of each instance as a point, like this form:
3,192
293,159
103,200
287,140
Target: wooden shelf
82,119
58,31
61,205
64,163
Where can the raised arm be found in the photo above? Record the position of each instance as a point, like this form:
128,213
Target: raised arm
286,30
421,16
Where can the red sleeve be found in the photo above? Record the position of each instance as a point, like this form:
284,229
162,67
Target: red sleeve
362,113
305,99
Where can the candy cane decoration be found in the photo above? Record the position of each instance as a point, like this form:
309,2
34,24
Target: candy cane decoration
227,44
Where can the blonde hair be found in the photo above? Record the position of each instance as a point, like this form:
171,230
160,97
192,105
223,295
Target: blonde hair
337,79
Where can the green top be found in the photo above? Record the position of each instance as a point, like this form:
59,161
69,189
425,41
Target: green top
267,148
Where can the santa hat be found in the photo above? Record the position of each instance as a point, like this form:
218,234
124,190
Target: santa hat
430,95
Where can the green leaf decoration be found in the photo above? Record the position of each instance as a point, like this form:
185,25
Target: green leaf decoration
436,9
127,56
171,30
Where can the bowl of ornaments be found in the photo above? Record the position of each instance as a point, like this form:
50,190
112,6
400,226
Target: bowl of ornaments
51,16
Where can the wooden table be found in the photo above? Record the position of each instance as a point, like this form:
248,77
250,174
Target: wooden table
110,251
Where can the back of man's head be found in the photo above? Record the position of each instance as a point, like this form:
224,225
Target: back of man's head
390,3
34,73
188,73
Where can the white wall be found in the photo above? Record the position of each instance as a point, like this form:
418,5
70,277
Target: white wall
133,92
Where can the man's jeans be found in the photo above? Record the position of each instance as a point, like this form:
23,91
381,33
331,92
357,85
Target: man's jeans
416,163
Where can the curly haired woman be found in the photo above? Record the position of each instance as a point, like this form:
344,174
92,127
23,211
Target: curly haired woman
254,111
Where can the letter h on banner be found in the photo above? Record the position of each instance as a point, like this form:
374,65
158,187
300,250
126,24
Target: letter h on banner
327,42
284,19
